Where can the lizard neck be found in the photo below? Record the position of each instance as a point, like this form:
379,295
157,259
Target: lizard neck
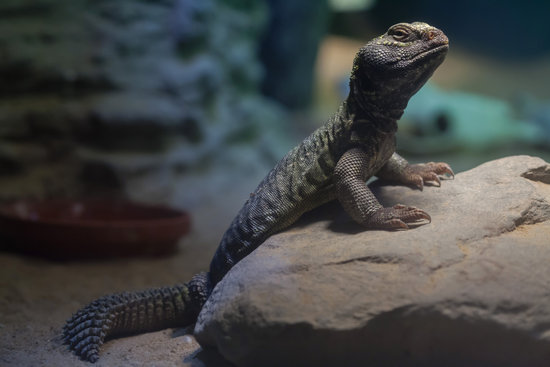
368,106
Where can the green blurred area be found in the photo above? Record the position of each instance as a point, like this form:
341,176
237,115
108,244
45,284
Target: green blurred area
103,97
491,92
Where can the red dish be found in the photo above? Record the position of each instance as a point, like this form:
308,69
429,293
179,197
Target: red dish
67,229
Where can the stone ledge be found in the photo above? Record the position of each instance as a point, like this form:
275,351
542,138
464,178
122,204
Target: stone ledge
471,288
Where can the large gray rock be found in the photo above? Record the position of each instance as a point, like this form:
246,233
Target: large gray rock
472,288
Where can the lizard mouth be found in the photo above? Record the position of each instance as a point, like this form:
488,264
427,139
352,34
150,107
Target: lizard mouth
431,53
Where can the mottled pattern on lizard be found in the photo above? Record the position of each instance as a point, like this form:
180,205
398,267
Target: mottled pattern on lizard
358,142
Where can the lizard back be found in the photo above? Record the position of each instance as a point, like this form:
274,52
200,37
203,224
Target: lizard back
301,181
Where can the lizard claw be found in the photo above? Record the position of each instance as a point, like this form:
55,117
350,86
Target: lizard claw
441,168
419,174
398,217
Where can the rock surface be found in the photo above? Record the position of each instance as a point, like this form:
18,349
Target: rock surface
471,288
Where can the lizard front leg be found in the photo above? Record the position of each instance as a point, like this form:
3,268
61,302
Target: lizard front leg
350,177
397,169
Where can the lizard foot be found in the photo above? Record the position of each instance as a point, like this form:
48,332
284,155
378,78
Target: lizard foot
419,174
398,217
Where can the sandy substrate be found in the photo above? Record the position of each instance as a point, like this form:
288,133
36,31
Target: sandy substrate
37,296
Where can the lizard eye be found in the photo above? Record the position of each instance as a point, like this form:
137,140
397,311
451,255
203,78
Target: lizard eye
399,33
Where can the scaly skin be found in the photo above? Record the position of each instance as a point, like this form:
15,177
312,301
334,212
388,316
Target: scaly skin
358,142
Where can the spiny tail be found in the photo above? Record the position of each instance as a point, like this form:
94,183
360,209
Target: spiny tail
129,313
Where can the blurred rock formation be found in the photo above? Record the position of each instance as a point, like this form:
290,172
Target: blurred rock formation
130,96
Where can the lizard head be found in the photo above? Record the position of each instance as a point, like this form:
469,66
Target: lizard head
389,69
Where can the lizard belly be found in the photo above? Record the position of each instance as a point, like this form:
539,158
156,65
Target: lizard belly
386,150
381,153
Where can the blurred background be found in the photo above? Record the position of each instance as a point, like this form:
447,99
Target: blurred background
189,103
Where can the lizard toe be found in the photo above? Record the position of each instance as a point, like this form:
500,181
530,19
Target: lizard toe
412,215
442,168
428,173
398,217
432,178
